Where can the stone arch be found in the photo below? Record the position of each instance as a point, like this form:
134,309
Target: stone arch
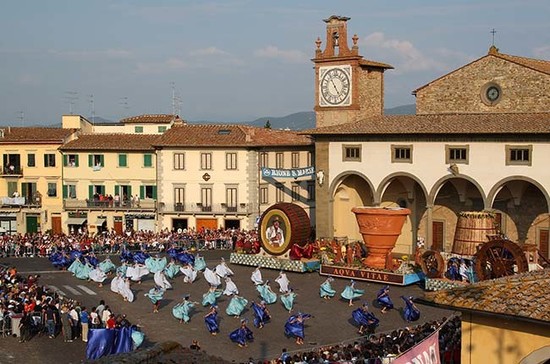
440,182
339,178
388,179
500,184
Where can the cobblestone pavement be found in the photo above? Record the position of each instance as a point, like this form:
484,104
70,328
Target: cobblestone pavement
331,323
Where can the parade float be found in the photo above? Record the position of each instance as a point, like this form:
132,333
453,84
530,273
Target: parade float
380,228
284,241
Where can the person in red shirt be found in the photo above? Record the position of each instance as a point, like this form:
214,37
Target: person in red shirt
111,322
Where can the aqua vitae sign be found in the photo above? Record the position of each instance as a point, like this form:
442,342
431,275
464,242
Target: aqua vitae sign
287,173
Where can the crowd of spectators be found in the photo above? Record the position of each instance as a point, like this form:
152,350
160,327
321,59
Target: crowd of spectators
381,348
43,244
29,309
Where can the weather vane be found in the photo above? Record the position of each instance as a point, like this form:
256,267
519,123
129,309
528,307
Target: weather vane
493,32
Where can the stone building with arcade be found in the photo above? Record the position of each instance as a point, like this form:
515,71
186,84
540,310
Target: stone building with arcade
479,141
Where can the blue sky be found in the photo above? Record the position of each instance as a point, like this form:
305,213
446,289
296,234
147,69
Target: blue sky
233,60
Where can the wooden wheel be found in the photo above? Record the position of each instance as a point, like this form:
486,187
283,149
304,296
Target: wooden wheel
432,264
499,258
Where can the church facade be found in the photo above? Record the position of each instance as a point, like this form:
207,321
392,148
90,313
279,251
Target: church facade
478,141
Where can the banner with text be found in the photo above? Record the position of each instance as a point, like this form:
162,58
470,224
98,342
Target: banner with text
287,173
426,352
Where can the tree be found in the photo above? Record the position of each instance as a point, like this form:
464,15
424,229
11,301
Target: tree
267,124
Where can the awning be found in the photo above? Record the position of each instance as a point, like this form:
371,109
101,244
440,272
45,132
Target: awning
100,221
76,220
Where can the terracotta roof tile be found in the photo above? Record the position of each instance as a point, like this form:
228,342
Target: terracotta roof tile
35,135
487,123
129,142
523,295
150,119
229,135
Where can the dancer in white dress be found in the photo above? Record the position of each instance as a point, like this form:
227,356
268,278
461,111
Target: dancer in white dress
230,287
98,276
136,272
212,278
161,280
283,281
256,276
126,291
223,270
189,273
116,283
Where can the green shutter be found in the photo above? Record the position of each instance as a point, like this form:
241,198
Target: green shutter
45,160
147,160
117,189
142,192
102,190
76,160
154,192
90,160
123,160
130,192
102,160
65,191
65,160
91,192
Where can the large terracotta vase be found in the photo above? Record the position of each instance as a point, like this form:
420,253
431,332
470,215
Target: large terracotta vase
380,228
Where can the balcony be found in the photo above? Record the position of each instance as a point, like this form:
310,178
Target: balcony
12,171
18,202
198,208
146,204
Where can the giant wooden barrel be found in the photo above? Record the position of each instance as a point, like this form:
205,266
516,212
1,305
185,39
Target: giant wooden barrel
471,231
283,225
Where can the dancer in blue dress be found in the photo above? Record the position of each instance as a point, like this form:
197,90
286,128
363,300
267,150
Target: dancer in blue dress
266,293
236,306
365,319
242,335
383,299
210,297
156,264
183,309
350,292
172,269
211,320
107,265
411,312
155,294
261,314
287,299
326,291
199,264
294,326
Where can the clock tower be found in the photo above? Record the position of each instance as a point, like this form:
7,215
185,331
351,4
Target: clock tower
348,87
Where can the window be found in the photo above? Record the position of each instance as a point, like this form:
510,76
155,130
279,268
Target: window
147,160
457,154
138,129
12,188
280,192
231,161
310,190
206,160
70,160
279,160
52,189
179,161
69,191
49,160
295,160
264,159
206,198
31,160
148,191
179,198
231,199
96,161
162,129
264,194
123,160
518,155
295,192
401,154
351,153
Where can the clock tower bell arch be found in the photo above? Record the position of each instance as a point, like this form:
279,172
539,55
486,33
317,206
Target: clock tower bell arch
348,87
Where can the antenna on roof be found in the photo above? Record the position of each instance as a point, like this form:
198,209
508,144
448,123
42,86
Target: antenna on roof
92,111
493,32
124,102
176,100
21,117
70,98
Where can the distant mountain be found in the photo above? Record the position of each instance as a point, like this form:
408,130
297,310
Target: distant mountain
306,119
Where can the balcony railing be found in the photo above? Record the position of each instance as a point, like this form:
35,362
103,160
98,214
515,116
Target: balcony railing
12,171
145,204
20,202
198,208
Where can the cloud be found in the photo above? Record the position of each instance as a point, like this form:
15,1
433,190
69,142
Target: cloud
210,51
542,52
409,58
28,80
170,64
288,56
82,55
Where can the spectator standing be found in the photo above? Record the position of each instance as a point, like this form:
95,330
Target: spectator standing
50,320
95,322
66,325
74,322
84,321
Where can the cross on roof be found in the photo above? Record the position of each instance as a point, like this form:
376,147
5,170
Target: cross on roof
493,32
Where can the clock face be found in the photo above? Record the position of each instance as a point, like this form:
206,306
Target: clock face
335,86
492,93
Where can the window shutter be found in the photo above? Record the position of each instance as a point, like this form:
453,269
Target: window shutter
45,160
76,160
147,160
65,160
130,192
65,191
142,192
102,189
154,192
90,160
102,160
91,192
117,189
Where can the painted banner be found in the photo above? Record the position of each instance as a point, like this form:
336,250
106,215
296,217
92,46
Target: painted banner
287,173
427,352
